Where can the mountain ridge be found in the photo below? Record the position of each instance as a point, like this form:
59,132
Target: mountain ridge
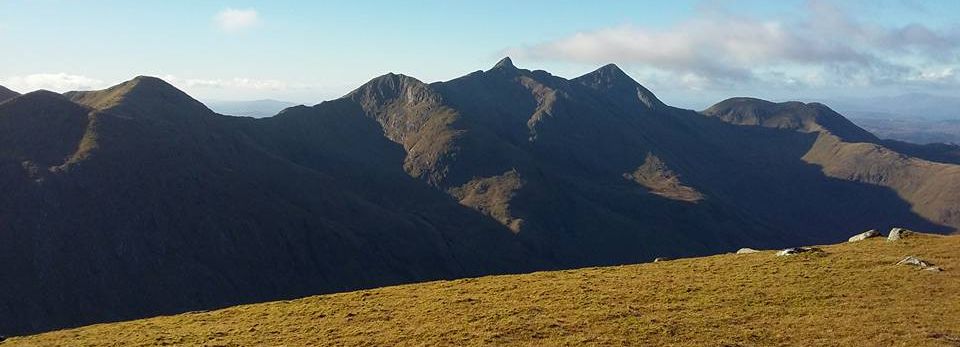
155,204
7,94
239,210
139,97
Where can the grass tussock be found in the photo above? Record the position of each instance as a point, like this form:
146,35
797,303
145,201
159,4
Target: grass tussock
852,294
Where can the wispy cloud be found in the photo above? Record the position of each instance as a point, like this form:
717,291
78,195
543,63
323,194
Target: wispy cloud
58,82
234,20
228,83
823,44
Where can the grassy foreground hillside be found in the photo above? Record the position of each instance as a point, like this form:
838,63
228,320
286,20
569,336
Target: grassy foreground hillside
852,294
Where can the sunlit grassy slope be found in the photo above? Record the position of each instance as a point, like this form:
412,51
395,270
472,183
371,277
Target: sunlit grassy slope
851,295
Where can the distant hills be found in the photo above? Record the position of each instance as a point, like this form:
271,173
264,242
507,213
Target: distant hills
252,108
914,130
911,105
138,200
918,118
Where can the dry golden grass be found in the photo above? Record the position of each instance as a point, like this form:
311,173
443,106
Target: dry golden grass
853,295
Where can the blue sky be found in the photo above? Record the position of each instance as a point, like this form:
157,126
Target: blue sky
690,53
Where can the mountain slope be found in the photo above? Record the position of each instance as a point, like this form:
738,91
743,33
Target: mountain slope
596,170
506,143
138,201
41,129
847,152
7,94
852,294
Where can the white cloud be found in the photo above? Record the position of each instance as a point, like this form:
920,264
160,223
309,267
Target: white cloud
234,20
821,44
58,82
229,83
942,75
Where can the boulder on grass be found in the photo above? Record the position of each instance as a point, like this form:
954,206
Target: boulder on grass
797,250
746,251
864,235
919,264
898,233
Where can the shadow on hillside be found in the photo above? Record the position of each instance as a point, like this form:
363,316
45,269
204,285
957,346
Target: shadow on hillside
770,178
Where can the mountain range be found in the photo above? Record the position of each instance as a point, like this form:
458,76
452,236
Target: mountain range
913,130
904,106
916,117
138,200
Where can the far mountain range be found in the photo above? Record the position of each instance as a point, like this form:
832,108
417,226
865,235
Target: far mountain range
139,200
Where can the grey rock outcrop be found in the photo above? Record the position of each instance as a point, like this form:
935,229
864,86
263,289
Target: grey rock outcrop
864,235
797,250
898,233
919,263
746,251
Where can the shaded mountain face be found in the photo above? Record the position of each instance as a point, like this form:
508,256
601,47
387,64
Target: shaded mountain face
7,94
597,170
797,116
138,200
926,178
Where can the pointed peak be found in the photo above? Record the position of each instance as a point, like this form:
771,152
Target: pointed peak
611,68
504,64
148,82
610,79
610,73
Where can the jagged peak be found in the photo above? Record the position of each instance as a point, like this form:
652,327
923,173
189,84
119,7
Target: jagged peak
613,71
391,78
504,64
390,86
608,76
